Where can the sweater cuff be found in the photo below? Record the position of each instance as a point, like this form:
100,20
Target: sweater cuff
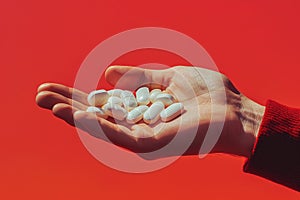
276,153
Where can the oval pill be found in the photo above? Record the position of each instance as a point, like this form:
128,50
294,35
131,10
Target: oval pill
128,100
165,98
115,92
171,112
142,96
98,111
143,108
136,114
114,100
97,97
153,94
126,93
152,114
114,110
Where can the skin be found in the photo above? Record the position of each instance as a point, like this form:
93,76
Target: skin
241,123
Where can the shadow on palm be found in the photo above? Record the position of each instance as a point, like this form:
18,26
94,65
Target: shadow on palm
185,83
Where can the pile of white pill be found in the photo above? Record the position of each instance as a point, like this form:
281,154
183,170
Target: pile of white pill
124,105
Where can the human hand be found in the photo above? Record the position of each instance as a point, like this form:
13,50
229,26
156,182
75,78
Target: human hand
242,116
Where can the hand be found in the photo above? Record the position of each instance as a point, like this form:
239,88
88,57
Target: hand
241,124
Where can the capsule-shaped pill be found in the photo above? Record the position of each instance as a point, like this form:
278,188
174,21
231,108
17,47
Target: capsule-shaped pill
114,100
153,94
98,111
97,97
165,98
136,114
171,112
115,92
126,93
115,111
142,96
152,114
128,100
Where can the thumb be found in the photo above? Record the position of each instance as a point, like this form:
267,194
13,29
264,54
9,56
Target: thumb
130,78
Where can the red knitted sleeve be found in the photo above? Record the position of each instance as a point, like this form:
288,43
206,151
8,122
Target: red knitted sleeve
276,154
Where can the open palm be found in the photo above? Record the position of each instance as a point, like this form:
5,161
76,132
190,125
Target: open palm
194,87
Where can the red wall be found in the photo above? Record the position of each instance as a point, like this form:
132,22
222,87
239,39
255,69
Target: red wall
255,43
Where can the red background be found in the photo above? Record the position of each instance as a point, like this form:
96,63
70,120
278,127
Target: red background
256,43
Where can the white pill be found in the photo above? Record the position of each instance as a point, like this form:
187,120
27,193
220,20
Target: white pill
165,98
128,100
114,110
126,93
98,111
97,97
155,90
142,96
152,114
114,100
115,92
171,112
153,94
136,114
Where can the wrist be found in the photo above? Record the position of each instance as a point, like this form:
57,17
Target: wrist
250,115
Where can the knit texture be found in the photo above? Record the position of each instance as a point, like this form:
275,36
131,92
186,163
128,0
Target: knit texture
276,153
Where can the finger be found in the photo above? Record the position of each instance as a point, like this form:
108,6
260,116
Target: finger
47,99
97,127
130,78
66,91
64,112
